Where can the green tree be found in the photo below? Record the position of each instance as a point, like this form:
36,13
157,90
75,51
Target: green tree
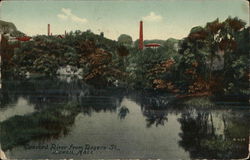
217,40
125,39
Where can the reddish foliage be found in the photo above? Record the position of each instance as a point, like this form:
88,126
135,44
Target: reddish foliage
195,64
7,50
99,57
199,35
199,85
162,67
98,61
227,44
235,24
86,46
161,84
247,75
190,71
215,26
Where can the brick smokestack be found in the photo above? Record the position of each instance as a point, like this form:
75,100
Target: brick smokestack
48,29
141,36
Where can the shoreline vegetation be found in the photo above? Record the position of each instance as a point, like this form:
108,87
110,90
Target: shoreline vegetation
212,61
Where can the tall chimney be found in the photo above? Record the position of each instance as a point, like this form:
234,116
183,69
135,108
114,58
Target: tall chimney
141,36
48,29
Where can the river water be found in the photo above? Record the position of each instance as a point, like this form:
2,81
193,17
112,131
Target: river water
58,118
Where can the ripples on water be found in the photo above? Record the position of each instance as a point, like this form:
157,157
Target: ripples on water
45,112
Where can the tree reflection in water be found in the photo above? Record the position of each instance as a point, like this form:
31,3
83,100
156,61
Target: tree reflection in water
123,111
206,134
47,124
56,103
155,110
155,117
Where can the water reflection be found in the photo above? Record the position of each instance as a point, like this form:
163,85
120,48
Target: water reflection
21,107
44,125
123,111
50,110
215,134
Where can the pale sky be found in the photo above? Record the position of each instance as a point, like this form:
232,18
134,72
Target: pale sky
163,19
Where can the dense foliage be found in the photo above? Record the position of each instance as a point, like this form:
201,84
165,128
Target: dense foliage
211,60
216,57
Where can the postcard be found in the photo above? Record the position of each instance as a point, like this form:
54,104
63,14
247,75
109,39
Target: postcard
124,79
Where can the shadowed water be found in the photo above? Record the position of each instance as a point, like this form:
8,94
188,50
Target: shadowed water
51,118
